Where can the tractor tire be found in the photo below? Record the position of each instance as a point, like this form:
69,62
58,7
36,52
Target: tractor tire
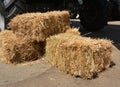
72,7
10,8
92,16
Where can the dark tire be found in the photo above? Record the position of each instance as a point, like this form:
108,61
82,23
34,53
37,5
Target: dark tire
93,16
11,8
72,6
115,15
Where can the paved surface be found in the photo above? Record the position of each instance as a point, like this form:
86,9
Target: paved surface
41,74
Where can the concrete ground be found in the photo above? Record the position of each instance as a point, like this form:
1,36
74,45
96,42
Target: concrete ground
42,74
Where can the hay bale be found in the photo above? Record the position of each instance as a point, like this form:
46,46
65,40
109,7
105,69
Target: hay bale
16,50
78,56
73,31
39,26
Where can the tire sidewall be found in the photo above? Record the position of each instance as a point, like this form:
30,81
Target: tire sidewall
94,22
11,9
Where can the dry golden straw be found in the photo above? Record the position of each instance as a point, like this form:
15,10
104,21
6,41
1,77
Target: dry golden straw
39,26
26,40
16,50
73,31
78,56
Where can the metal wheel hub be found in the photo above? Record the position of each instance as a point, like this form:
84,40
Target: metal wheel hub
2,22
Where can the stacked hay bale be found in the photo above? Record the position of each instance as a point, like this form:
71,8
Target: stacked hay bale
38,26
16,50
26,39
79,56
74,31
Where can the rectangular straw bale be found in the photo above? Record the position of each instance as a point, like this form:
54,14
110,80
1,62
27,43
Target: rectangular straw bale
79,56
73,31
38,26
16,50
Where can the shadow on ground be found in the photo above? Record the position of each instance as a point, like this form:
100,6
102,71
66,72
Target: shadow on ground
111,32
